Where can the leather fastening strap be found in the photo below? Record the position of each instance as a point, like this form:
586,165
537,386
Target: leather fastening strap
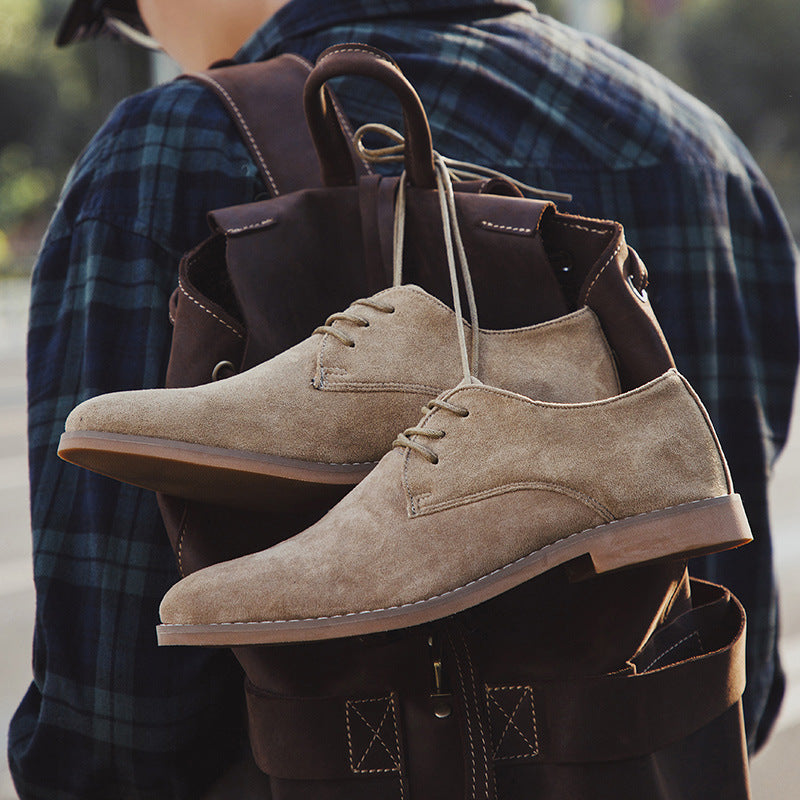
631,714
639,710
310,738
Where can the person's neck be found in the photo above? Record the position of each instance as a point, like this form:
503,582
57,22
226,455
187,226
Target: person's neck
273,6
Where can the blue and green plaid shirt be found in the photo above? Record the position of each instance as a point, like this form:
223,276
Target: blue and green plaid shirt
110,715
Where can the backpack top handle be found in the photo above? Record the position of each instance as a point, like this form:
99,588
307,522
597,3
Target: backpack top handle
331,143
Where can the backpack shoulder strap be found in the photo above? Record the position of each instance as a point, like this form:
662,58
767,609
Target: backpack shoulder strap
265,101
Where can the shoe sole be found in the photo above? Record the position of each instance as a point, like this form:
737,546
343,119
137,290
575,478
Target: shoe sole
676,533
236,478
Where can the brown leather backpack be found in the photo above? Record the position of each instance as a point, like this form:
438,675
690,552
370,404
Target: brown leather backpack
627,685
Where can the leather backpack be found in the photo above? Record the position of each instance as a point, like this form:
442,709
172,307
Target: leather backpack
627,685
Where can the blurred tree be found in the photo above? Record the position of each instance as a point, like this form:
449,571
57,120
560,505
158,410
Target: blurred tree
53,101
740,58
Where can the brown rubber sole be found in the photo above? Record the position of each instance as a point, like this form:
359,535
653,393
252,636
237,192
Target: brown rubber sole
679,532
208,474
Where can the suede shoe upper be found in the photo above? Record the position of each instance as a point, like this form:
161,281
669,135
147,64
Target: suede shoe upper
341,396
489,483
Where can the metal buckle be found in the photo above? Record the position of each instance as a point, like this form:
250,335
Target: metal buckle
640,293
442,699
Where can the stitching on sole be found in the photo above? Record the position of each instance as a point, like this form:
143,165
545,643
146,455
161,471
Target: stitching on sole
434,597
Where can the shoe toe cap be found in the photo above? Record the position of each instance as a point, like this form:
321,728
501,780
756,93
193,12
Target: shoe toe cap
133,412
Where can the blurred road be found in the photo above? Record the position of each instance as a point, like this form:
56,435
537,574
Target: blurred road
775,771
16,573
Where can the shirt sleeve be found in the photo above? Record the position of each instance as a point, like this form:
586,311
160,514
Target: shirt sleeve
109,713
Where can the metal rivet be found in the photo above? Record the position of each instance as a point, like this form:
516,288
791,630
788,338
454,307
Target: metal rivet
640,293
215,376
442,710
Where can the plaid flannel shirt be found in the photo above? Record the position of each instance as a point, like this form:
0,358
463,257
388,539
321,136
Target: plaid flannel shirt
108,713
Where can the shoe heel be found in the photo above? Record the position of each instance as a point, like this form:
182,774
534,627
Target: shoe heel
680,532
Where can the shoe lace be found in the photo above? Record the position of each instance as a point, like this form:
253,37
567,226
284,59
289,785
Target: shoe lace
355,319
405,440
454,248
446,170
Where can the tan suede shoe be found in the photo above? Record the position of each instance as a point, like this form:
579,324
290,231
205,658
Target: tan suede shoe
327,410
490,490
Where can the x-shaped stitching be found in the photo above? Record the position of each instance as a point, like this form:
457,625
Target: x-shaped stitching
376,735
510,720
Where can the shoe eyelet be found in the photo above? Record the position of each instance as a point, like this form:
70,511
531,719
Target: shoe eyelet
435,460
352,344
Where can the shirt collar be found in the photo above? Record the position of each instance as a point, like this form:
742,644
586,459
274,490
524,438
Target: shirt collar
303,17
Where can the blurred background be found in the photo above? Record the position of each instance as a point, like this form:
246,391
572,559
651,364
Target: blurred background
741,58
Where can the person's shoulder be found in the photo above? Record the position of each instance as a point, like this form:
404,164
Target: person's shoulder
674,125
630,114
173,138
181,114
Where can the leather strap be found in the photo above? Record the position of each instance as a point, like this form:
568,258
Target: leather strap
265,101
654,702
630,714
324,122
